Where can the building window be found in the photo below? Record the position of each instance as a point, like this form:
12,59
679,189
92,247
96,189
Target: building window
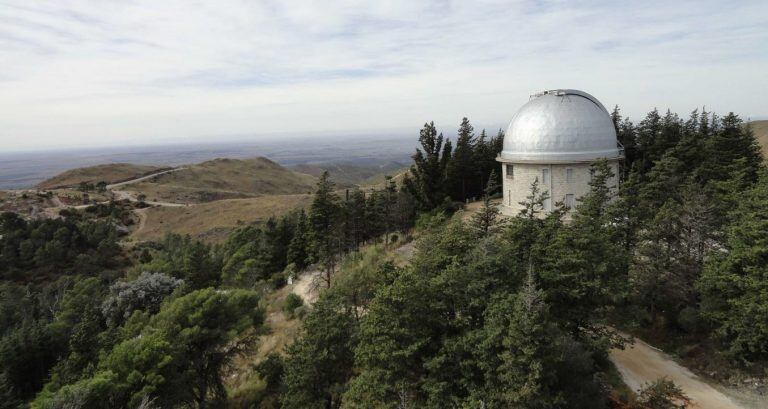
510,172
569,201
569,175
547,204
545,176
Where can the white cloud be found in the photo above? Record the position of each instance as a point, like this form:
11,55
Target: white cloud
80,72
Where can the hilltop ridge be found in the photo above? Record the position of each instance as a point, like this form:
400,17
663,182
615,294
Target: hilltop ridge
109,173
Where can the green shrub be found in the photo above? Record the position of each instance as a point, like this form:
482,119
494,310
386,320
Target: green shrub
292,302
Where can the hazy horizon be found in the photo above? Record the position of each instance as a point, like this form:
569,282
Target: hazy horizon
78,74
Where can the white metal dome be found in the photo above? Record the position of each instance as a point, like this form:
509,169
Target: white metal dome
563,125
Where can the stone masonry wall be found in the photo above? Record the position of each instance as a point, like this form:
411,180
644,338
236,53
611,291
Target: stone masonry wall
517,188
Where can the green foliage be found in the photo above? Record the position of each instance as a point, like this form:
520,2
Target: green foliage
324,224
320,362
178,357
439,171
426,182
145,293
486,219
54,245
299,251
734,283
195,262
460,180
583,266
257,252
27,353
292,302
662,394
530,362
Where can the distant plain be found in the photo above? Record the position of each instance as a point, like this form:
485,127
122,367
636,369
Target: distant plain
26,169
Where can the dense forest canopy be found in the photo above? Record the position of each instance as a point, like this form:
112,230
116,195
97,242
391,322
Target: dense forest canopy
489,313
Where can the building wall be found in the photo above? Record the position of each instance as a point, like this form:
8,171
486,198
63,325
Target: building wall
518,187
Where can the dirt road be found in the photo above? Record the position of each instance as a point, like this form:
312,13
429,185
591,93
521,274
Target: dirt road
128,182
122,194
641,363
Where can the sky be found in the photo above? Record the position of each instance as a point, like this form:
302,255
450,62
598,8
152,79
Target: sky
102,72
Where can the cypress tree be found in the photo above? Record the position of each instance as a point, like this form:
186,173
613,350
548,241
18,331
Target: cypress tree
461,167
426,182
324,222
299,249
485,220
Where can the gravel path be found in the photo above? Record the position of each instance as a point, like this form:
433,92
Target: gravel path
641,363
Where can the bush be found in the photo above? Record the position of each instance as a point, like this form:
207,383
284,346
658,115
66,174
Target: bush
145,293
662,394
430,219
292,302
277,281
689,320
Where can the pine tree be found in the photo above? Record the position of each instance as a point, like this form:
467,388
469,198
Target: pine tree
461,168
734,283
648,131
389,198
533,363
355,224
484,222
534,202
300,248
584,266
733,151
426,182
625,133
324,222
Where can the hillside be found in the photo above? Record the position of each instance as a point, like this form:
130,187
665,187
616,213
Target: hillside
349,174
224,179
109,173
212,221
760,128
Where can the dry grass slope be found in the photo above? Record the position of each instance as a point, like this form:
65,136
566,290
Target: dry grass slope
347,174
110,173
213,221
760,128
225,179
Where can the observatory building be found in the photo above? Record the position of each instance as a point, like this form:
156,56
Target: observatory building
553,139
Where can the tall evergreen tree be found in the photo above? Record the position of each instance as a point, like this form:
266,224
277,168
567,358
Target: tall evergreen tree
461,168
319,363
734,284
300,248
324,222
355,223
484,222
426,182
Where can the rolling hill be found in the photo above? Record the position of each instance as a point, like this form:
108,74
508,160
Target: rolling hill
212,221
220,179
109,173
350,174
760,128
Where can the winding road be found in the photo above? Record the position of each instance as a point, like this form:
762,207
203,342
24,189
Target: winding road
641,363
122,194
